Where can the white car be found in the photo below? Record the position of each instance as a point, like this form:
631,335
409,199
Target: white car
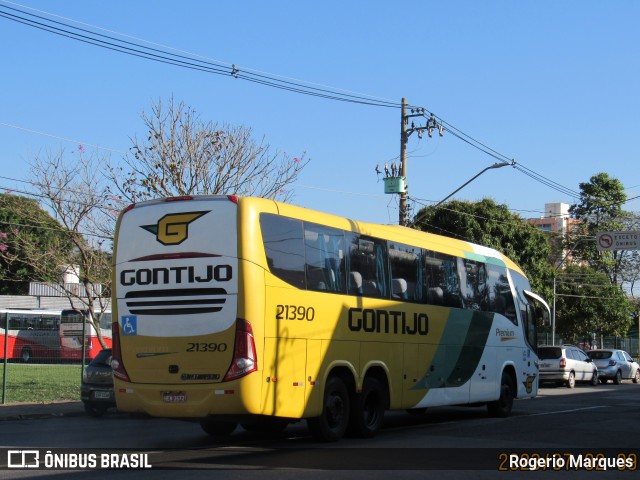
566,365
615,365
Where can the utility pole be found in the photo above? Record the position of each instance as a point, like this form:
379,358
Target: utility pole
399,184
403,163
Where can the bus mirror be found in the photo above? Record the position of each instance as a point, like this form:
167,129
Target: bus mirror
546,318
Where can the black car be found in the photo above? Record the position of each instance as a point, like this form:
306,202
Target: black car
96,390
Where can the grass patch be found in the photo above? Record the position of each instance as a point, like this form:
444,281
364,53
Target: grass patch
41,383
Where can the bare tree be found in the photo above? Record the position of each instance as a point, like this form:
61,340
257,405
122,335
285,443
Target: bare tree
74,190
184,155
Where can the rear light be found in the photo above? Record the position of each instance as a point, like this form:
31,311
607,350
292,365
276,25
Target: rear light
244,352
612,363
563,362
179,199
116,356
233,198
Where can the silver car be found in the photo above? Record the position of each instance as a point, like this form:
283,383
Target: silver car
566,365
615,365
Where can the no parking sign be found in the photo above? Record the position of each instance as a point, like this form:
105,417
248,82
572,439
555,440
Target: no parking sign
609,241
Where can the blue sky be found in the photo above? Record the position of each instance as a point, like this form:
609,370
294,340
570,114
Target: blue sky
553,85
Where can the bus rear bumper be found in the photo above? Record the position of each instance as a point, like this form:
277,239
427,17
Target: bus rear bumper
186,401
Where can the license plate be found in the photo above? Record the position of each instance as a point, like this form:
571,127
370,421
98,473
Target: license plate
102,395
174,397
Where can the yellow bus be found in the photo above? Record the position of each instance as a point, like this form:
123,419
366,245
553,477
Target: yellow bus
249,311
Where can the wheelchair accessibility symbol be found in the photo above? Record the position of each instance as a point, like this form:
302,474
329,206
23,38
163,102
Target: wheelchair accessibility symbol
129,324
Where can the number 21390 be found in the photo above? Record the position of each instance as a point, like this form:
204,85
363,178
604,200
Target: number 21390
295,312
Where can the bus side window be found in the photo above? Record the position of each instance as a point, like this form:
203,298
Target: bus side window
405,262
367,256
284,248
324,258
473,281
500,298
442,280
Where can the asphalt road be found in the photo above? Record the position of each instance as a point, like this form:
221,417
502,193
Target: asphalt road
460,442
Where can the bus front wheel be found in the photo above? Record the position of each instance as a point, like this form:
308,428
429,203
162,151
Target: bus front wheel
502,406
332,423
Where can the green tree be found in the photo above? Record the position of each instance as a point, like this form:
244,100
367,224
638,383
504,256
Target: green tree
29,236
587,303
599,209
490,224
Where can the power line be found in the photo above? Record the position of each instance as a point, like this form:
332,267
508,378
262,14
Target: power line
44,134
160,53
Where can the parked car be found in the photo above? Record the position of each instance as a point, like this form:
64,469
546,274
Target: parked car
566,365
96,390
615,365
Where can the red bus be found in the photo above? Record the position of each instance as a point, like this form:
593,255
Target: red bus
72,323
26,334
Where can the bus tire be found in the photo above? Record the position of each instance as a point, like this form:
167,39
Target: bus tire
367,409
332,423
25,355
218,428
502,407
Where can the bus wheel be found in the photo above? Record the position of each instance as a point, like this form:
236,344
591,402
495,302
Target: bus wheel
334,419
368,409
502,406
218,428
25,355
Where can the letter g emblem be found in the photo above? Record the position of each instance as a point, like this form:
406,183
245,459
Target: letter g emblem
173,229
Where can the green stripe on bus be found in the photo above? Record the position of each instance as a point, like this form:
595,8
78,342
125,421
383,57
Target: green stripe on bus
484,259
455,362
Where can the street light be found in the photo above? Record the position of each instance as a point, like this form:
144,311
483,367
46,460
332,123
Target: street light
495,165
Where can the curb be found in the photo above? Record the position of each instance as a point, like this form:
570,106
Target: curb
31,411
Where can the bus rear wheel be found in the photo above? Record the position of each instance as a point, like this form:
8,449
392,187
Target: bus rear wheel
368,408
502,407
332,423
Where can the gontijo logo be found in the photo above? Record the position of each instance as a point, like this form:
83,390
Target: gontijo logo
173,229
